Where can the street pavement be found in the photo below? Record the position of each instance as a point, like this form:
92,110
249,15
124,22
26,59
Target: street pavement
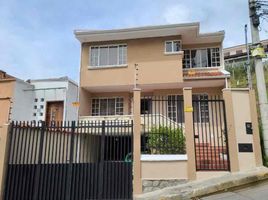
258,192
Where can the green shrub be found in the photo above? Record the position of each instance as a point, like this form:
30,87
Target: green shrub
165,140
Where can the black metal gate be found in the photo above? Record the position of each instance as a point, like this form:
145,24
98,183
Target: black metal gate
210,133
85,160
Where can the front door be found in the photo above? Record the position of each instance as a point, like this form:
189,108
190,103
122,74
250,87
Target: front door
54,111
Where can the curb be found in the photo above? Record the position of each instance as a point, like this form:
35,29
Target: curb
205,187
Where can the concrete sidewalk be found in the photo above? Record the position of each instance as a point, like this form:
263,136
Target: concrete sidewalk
205,187
256,191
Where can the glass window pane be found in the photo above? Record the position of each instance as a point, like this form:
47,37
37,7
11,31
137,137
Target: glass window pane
111,106
113,55
103,106
103,56
204,58
122,54
168,46
195,58
176,46
94,52
186,59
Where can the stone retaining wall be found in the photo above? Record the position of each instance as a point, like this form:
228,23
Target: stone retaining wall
152,185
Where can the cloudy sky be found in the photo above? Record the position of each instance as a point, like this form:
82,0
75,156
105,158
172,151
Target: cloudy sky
37,41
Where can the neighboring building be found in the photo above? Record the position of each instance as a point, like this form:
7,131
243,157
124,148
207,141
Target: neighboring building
35,100
237,55
53,99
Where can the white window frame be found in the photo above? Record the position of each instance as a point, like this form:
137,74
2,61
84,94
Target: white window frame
107,66
199,120
174,107
172,52
115,107
208,67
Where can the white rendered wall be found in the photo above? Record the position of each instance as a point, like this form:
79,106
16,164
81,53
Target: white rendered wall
71,112
22,102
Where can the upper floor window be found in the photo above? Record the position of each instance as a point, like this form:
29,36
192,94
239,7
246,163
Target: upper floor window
172,46
199,58
109,55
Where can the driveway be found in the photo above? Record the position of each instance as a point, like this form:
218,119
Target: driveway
258,192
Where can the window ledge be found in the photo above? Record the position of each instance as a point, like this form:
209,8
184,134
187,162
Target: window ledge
164,157
107,67
173,53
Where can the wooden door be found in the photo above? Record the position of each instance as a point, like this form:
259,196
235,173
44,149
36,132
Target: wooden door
54,111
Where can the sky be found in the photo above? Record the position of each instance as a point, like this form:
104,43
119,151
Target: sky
37,40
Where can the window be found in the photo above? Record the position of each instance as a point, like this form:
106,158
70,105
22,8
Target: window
146,106
201,107
201,58
34,114
41,114
172,46
41,107
35,107
110,55
175,108
107,106
35,100
42,99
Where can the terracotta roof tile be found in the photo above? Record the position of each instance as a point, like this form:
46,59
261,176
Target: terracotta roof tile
202,74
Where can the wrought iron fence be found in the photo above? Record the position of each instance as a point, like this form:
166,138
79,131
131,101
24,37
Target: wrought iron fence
162,119
70,160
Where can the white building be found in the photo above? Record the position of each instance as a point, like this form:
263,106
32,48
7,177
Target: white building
45,99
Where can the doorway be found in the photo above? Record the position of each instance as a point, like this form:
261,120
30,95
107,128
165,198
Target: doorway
54,111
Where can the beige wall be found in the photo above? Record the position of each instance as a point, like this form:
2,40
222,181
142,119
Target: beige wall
154,65
242,114
163,170
6,94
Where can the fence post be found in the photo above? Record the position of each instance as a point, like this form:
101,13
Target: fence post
231,135
4,155
101,168
70,165
137,181
189,132
37,177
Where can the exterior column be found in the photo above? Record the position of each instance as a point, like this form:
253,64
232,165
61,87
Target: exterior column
232,141
189,132
137,182
255,127
3,156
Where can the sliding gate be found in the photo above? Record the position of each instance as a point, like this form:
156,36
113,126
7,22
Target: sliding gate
210,134
89,160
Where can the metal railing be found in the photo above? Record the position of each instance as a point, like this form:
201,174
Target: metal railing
162,125
70,160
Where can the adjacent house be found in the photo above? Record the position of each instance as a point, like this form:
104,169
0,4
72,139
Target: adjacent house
35,100
237,55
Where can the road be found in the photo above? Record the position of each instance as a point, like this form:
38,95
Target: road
258,192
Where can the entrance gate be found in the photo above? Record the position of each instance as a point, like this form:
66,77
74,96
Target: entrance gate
85,160
210,133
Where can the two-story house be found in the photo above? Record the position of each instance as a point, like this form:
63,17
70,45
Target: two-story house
160,60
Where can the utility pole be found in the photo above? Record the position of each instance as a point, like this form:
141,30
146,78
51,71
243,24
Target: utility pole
262,94
248,59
